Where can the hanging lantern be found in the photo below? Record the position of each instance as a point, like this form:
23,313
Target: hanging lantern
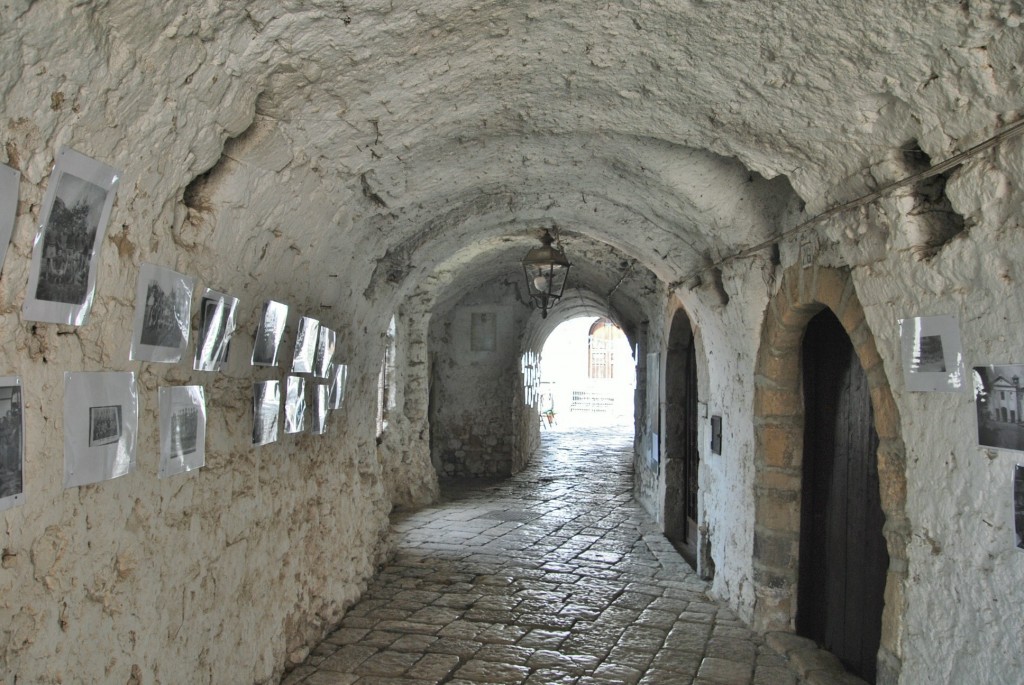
545,269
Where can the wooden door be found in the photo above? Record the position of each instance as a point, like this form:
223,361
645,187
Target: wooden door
691,455
843,558
683,456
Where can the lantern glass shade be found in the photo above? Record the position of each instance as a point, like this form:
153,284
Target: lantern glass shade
545,269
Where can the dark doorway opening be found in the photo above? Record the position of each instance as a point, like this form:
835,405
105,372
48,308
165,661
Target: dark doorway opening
682,463
843,557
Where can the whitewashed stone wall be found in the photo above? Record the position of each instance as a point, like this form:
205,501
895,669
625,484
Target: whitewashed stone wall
347,159
475,392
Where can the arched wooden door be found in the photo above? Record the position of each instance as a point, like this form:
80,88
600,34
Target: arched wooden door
843,558
682,456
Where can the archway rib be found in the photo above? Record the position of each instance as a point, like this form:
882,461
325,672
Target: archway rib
779,431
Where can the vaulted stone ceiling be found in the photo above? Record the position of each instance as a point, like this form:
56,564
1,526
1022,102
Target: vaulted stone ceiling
674,132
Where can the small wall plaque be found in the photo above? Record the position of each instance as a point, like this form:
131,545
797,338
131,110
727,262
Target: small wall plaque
716,434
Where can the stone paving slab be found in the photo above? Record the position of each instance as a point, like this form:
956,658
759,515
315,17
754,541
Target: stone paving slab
547,578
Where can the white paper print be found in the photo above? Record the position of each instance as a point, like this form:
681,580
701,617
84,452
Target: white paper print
320,399
295,405
182,429
305,345
339,375
933,359
12,444
76,208
999,401
163,315
266,407
325,344
9,179
101,418
216,326
269,333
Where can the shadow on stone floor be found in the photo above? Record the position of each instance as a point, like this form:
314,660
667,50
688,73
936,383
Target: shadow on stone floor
554,576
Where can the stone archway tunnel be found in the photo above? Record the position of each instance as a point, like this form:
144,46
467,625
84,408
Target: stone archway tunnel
367,162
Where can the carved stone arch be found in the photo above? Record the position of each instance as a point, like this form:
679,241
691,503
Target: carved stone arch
778,460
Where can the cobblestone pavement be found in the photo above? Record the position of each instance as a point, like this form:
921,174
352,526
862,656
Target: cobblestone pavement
552,577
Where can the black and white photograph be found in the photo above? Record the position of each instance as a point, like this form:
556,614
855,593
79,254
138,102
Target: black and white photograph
9,179
163,311
1018,505
305,345
76,209
182,429
266,408
101,420
932,355
295,405
104,425
326,341
216,326
269,333
320,399
998,398
12,445
339,375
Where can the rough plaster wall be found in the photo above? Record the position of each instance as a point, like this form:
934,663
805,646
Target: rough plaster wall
404,447
406,133
472,414
966,579
234,568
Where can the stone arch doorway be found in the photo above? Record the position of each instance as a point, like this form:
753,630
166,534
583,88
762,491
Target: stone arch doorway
682,455
843,560
779,442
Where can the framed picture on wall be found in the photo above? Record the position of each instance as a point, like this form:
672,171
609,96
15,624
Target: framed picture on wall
76,209
295,405
182,429
216,326
306,339
269,333
12,444
999,403
101,418
933,357
163,311
266,407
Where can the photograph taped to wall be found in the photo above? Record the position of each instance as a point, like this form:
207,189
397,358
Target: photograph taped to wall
320,399
933,359
9,179
216,326
998,399
305,345
163,315
295,405
325,344
101,418
65,254
12,444
266,407
1018,505
339,376
269,333
182,429
104,425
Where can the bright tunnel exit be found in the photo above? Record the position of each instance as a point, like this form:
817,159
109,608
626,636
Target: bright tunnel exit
587,376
